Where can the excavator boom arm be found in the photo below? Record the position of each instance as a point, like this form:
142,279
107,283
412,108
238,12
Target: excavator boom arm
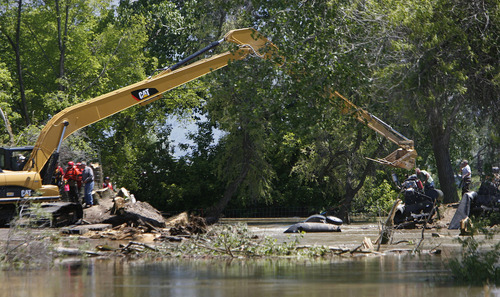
83,114
402,158
375,123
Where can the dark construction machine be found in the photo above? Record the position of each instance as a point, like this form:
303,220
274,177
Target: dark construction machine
483,203
418,204
26,172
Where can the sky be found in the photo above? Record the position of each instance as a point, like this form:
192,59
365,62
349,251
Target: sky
181,128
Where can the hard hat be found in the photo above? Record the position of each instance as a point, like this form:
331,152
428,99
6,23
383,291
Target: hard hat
71,163
78,164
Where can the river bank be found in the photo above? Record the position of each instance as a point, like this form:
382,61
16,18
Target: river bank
266,233
189,237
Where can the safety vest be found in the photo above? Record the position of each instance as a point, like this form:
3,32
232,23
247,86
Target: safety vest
72,173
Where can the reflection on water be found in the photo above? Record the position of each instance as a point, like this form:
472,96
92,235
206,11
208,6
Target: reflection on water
384,276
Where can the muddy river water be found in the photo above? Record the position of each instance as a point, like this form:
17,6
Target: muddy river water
396,275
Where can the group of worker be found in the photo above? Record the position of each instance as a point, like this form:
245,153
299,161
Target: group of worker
465,175
74,178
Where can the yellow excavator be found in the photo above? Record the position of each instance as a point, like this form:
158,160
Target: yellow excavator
404,157
419,203
26,173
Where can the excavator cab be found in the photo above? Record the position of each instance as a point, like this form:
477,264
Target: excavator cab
14,158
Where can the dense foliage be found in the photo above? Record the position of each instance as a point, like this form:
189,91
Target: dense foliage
428,67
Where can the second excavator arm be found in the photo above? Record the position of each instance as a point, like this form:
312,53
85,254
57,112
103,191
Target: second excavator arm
404,157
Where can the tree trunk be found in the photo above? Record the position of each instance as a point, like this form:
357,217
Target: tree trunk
62,38
440,138
350,189
214,213
7,126
445,171
16,46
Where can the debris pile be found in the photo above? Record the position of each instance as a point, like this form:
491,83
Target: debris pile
120,209
119,216
187,227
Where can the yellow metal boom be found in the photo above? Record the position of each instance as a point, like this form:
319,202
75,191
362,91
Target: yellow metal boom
144,92
404,157
24,183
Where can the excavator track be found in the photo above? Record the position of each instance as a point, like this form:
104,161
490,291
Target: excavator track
45,214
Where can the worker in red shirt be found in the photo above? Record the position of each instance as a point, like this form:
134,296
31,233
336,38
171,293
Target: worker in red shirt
107,183
71,176
79,177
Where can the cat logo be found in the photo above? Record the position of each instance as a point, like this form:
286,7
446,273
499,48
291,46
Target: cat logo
144,93
25,193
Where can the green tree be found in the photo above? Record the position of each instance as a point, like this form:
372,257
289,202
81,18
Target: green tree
5,109
240,107
425,54
10,28
317,41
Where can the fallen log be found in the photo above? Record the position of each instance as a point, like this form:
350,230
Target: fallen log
75,252
135,243
388,227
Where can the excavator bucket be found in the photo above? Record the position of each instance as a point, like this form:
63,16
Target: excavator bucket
250,37
400,158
